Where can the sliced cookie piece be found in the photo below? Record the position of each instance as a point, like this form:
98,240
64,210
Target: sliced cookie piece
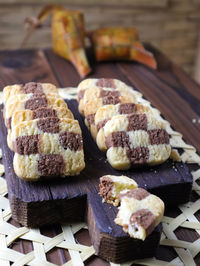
26,115
28,88
97,97
127,123
37,142
102,83
135,139
38,166
110,186
23,102
43,126
139,213
105,113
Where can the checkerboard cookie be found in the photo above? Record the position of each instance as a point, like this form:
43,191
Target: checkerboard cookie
127,130
23,102
139,212
110,186
47,147
26,115
105,113
99,98
101,87
28,88
127,123
135,139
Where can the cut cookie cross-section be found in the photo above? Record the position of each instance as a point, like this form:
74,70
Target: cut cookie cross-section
110,186
139,212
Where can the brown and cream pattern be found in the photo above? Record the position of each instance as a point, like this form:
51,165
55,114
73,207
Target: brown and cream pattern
127,130
46,144
42,132
29,88
135,139
108,89
96,97
105,113
139,212
30,102
110,187
26,115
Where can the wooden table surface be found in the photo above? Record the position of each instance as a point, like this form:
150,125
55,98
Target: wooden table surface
169,89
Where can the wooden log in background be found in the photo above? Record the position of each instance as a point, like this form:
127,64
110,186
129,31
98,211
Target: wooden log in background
170,25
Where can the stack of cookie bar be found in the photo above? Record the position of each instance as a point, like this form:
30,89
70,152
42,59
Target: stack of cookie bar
42,132
127,131
139,212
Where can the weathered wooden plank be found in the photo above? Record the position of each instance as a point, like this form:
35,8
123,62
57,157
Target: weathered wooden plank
19,67
64,200
64,192
106,235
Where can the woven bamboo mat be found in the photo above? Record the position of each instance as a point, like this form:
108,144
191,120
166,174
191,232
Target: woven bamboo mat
186,219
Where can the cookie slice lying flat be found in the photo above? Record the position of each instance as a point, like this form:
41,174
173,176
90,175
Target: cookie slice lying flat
47,147
28,88
139,213
26,115
110,186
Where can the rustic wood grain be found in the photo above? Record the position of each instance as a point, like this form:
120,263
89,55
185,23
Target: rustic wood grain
109,240
19,67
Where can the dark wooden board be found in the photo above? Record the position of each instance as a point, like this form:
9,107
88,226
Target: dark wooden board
60,199
65,200
109,240
23,66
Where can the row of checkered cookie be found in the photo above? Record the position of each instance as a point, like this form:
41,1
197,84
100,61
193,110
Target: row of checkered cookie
20,100
42,132
95,93
30,96
139,212
128,131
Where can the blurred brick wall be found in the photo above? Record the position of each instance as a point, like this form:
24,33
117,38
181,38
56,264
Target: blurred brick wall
170,25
